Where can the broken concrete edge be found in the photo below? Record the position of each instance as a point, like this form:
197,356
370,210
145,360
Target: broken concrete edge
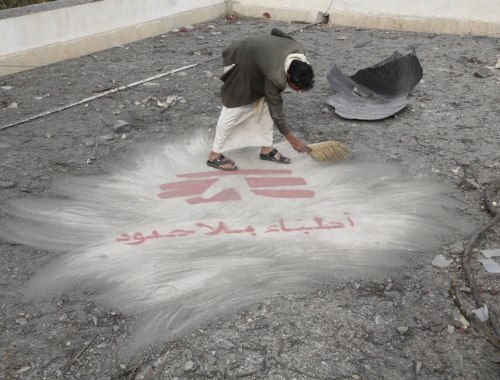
48,54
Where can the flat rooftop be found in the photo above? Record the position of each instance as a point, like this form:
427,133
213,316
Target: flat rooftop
342,325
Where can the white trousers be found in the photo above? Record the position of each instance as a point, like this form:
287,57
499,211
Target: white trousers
239,127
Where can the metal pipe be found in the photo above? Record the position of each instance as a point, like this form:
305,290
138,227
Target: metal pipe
121,88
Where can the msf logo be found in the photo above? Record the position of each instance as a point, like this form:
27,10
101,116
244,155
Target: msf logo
265,183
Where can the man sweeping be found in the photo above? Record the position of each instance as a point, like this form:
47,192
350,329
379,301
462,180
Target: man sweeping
256,70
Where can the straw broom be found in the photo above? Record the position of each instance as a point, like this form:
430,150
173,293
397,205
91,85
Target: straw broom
328,151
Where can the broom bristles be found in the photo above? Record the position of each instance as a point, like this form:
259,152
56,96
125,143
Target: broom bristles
328,151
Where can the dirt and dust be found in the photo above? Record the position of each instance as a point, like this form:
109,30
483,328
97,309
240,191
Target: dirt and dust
391,326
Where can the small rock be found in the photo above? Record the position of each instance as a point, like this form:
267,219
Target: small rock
418,367
459,320
94,319
496,358
355,377
145,374
12,105
7,185
89,143
462,162
188,366
109,137
116,328
245,344
389,287
438,328
182,100
456,249
397,342
59,373
102,345
22,321
402,330
23,369
271,362
483,72
482,313
121,126
211,360
479,282
225,344
450,329
464,289
470,183
325,110
441,262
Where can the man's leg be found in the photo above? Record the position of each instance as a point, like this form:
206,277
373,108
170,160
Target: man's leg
229,119
266,119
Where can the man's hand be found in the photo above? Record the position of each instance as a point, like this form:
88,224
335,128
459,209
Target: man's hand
298,145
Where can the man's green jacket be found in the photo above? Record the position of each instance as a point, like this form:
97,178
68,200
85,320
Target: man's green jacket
259,71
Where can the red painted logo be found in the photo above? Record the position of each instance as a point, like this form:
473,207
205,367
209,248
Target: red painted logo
259,182
266,183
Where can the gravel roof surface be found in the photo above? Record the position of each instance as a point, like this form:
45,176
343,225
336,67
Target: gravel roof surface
342,327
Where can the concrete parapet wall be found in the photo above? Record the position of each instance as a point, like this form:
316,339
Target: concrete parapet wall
39,39
429,16
42,38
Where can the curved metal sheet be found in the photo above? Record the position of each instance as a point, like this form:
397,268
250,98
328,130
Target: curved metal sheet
376,92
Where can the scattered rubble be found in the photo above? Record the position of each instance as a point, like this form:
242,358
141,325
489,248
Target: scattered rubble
483,72
354,321
441,262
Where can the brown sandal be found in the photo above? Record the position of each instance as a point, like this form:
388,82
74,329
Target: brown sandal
221,160
270,157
